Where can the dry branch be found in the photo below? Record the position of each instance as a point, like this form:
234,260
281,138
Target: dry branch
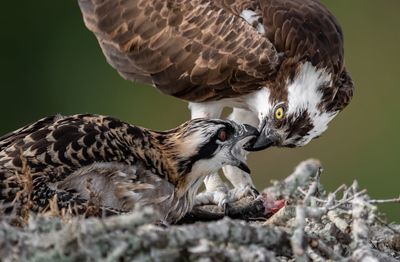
312,226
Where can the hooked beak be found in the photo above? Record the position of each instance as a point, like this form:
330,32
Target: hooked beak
266,139
246,134
244,167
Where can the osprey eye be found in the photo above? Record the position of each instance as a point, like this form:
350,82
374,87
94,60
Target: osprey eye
222,135
279,113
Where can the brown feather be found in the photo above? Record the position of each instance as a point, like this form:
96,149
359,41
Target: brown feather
124,164
201,50
182,46
305,30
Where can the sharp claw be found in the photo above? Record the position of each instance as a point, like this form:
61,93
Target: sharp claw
222,203
162,223
254,192
226,209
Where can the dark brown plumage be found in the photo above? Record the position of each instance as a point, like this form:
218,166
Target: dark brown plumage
202,50
193,50
123,165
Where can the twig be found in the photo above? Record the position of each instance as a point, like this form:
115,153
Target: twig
348,200
315,198
311,192
282,217
331,200
297,239
384,201
360,230
340,188
301,177
387,225
326,250
340,223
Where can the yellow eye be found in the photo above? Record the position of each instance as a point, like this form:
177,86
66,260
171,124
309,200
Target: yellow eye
279,113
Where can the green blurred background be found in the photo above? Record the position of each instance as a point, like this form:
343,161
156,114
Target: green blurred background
50,63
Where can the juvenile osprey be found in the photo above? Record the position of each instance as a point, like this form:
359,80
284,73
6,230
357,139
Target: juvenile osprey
125,164
278,63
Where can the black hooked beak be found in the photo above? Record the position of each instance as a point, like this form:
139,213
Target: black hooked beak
248,132
244,167
264,140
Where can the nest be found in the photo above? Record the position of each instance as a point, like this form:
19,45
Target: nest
306,223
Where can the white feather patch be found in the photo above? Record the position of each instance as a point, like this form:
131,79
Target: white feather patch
304,94
253,19
257,102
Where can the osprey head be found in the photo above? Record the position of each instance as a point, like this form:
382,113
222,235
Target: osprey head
302,109
203,146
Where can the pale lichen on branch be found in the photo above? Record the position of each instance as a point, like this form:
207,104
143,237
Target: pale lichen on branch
311,225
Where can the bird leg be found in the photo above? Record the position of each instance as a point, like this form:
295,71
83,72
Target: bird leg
242,183
217,191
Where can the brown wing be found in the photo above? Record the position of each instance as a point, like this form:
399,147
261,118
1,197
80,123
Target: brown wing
304,29
196,50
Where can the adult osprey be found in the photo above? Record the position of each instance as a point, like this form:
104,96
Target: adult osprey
278,63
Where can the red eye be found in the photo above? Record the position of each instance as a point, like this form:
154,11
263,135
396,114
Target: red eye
222,135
